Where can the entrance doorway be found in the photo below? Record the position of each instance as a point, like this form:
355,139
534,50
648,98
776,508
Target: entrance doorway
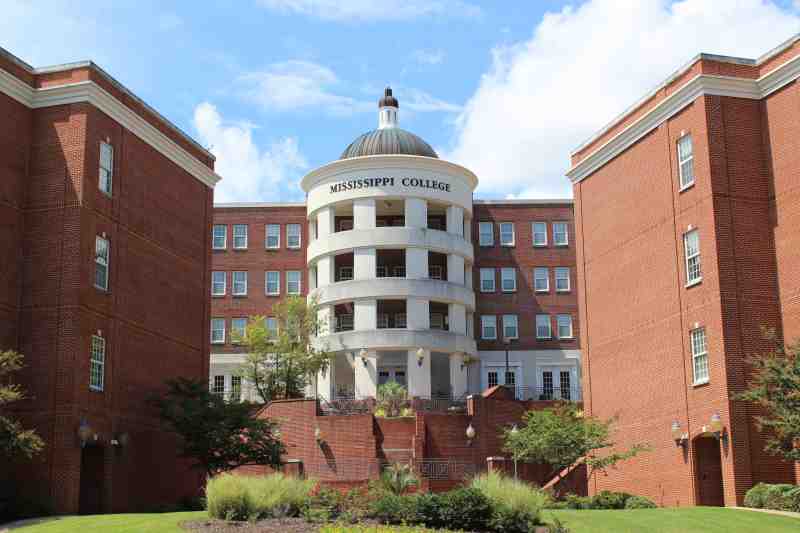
392,373
497,375
92,476
708,469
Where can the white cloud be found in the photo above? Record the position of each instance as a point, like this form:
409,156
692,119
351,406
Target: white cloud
369,10
431,57
581,68
249,173
422,102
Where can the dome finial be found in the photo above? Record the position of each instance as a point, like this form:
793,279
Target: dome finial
387,110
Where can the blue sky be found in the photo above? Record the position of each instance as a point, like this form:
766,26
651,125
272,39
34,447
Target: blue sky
278,87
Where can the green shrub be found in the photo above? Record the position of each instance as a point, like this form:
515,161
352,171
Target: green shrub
232,497
610,500
322,506
398,478
573,501
781,497
515,495
465,509
755,496
396,509
639,502
428,510
511,520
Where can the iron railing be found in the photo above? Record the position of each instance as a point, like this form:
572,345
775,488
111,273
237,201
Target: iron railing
349,404
572,393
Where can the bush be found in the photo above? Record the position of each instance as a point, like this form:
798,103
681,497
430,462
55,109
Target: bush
396,509
513,501
610,500
782,497
429,510
639,502
756,496
323,505
510,520
232,497
573,501
465,509
398,478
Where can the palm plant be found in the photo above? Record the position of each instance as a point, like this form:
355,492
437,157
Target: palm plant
398,478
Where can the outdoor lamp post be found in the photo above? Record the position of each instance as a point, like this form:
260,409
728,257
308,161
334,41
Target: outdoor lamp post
420,356
680,438
470,434
363,354
514,433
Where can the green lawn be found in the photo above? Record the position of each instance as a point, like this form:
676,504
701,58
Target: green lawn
686,520
683,520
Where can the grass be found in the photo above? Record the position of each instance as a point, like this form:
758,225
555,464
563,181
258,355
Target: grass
681,520
118,523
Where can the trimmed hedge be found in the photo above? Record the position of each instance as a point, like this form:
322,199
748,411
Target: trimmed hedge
604,500
779,497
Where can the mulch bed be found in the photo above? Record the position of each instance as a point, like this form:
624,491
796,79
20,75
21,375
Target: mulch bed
278,525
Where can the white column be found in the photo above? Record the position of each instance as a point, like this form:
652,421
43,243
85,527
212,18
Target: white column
455,220
325,381
364,213
419,375
471,325
364,263
418,314
325,271
468,229
458,375
366,315
468,275
455,269
325,319
312,229
312,278
366,375
325,222
416,263
457,318
416,213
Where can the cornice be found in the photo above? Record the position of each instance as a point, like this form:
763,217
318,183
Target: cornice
91,93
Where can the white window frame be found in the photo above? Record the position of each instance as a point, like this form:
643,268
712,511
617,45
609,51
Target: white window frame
685,160
343,320
513,240
236,389
564,321
217,321
510,321
269,322
381,271
504,278
97,364
242,329
290,274
699,347
537,232
398,271
566,278
345,273
235,247
289,236
240,274
102,261
215,283
224,237
481,234
489,321
382,321
436,321
435,272
565,242
483,271
692,257
106,168
536,278
400,320
541,321
272,231
277,290
215,389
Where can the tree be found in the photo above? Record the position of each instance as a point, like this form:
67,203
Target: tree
776,388
217,435
563,437
281,363
14,440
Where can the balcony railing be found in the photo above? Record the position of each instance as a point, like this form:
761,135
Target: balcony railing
347,404
572,393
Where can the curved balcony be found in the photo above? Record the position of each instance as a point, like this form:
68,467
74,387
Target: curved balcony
391,237
397,339
395,288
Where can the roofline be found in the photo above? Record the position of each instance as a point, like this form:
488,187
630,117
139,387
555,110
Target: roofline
677,73
92,65
246,205
514,201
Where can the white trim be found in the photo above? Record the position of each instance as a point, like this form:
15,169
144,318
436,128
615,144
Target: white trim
90,92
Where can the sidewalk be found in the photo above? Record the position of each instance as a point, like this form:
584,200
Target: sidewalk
768,511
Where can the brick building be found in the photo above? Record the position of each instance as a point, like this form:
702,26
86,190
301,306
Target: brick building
686,213
105,212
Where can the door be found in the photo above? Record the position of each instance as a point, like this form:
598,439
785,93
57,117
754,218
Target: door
709,472
557,383
91,488
397,374
497,375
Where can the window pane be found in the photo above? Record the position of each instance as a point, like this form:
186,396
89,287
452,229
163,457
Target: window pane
541,279
564,326
238,328
273,236
510,327
106,167
487,279
240,236
691,242
97,358
101,263
543,326
539,233
685,159
488,327
486,234
217,330
218,283
273,283
219,235
240,283
293,282
560,233
509,279
293,235
699,355
562,278
506,233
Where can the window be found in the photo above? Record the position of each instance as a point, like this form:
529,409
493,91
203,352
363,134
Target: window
236,388
217,331
547,385
506,234
293,282
691,246
97,363
400,320
345,224
699,355
345,273
273,241
540,233
218,283
562,279
399,271
491,378
485,234
240,283
293,236
435,271
543,327
487,280
685,164
383,321
101,263
238,329
106,167
219,237
488,327
541,279
566,387
218,387
564,326
560,237
271,325
272,282
437,321
510,330
240,236
344,322
381,272
508,279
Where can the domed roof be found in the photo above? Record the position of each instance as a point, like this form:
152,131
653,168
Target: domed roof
388,138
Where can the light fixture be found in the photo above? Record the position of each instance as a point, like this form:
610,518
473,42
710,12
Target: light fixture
716,425
85,433
470,434
318,435
679,436
420,356
363,354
